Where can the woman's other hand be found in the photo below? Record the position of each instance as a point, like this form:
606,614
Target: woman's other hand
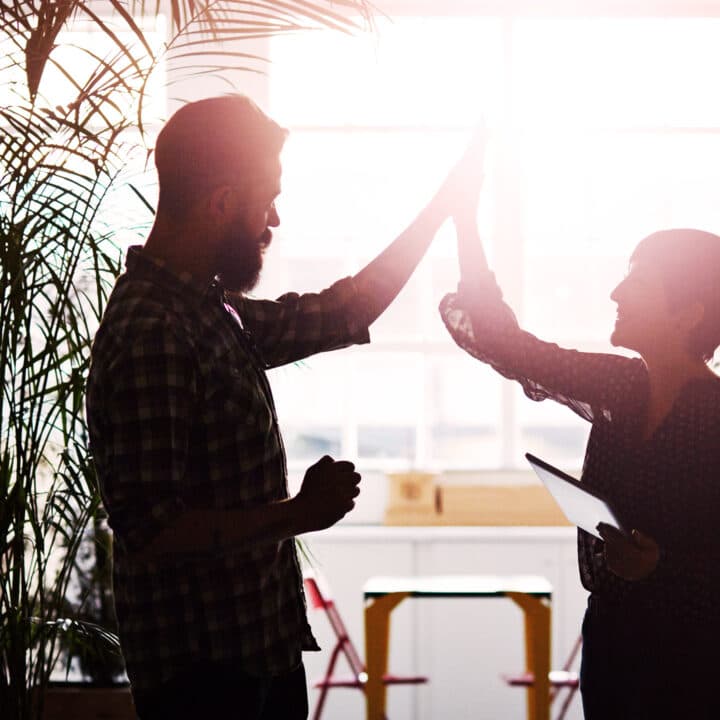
631,558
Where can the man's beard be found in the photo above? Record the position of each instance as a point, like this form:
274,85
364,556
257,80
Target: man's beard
241,261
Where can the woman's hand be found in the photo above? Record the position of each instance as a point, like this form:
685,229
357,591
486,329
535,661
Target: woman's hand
631,558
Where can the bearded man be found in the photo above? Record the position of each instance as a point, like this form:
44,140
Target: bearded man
190,460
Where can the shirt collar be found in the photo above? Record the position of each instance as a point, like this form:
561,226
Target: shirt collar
140,262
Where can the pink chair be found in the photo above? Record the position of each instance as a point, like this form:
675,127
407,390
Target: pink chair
320,598
565,679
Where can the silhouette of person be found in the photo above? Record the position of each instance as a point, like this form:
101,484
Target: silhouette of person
183,429
653,619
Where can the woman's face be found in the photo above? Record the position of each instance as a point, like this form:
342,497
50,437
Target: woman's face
643,318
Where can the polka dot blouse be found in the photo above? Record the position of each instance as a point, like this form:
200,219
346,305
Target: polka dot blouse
666,486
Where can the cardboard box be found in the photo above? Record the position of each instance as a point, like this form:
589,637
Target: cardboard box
412,500
499,505
416,500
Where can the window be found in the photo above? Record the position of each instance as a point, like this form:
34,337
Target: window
601,134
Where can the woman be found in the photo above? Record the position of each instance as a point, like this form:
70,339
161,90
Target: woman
652,626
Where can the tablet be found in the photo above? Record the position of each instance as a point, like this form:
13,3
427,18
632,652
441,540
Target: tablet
582,507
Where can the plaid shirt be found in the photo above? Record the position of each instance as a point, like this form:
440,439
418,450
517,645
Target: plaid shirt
181,416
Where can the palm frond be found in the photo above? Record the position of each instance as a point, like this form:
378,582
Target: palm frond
212,15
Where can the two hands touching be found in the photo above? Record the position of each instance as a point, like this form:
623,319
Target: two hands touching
459,195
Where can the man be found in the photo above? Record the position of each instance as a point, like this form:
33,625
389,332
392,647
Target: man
191,464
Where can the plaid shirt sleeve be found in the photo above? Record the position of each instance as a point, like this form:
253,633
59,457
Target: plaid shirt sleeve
149,409
295,326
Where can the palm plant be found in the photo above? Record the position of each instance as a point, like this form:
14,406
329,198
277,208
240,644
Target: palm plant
61,162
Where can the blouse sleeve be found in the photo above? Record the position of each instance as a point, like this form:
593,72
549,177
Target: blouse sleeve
483,325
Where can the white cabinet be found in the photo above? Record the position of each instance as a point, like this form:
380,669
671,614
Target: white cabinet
461,644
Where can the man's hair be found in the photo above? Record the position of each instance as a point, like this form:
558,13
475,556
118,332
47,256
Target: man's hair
210,141
689,263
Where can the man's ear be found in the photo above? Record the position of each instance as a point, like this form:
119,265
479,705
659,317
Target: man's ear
221,203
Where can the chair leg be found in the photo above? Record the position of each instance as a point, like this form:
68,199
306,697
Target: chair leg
320,702
566,703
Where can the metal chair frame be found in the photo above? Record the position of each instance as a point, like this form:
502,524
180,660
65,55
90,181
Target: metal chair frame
320,598
564,679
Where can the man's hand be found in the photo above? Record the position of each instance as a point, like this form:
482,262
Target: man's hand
631,558
327,493
459,194
382,278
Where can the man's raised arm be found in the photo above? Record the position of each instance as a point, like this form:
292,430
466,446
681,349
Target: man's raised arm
382,278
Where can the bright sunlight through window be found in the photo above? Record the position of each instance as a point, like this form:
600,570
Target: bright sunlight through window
602,130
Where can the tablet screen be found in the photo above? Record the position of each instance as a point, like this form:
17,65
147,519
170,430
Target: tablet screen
580,506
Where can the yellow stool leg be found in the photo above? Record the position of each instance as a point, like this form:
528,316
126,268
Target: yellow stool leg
537,652
377,636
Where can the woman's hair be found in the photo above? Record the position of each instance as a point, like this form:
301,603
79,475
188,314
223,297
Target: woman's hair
208,141
689,263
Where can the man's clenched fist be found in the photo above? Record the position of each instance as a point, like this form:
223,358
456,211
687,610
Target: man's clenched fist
328,492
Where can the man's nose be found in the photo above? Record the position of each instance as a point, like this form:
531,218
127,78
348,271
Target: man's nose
273,217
